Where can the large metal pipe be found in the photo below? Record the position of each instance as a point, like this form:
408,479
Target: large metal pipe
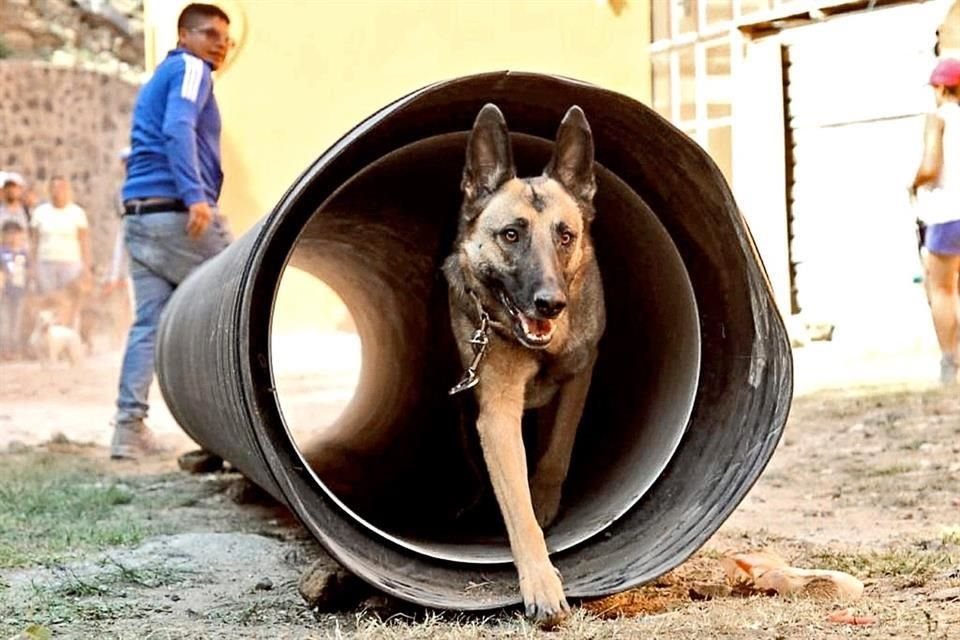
689,397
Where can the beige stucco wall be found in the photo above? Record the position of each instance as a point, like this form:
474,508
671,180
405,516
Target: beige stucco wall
307,72
56,120
950,32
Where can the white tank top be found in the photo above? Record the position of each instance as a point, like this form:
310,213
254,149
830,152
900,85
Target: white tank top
941,201
949,178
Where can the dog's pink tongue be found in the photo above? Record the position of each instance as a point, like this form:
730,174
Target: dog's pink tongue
536,326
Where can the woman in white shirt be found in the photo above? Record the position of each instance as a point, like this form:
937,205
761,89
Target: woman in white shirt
61,243
939,200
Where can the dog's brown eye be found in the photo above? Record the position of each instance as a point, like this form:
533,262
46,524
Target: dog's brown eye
511,235
566,238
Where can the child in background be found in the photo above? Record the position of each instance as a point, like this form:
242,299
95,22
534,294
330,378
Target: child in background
936,189
14,261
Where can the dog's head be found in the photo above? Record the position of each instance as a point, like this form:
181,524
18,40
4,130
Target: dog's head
522,241
45,320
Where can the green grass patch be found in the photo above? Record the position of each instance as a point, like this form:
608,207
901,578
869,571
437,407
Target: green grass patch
913,563
913,445
950,535
892,470
112,576
54,505
93,593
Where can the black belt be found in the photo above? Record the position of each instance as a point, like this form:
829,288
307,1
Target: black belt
141,206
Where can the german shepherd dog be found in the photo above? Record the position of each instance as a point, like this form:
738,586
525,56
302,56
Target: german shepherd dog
523,267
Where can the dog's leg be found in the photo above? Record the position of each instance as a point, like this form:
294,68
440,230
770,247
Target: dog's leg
75,350
556,443
49,353
500,396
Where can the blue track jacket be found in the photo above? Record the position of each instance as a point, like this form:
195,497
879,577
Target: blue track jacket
175,141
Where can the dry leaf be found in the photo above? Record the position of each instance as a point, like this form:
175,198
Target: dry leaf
845,616
33,632
747,567
766,572
827,585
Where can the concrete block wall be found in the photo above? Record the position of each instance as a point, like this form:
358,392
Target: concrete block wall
56,120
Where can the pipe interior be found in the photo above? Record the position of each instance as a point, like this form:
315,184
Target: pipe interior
403,456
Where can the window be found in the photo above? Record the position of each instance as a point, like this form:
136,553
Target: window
688,84
718,11
692,65
720,148
662,100
753,6
660,20
717,82
686,11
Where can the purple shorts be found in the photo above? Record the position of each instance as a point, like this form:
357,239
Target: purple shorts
943,238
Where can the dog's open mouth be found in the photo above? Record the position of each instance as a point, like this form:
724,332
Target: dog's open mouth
532,332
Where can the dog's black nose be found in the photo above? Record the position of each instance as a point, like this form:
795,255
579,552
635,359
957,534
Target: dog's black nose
549,304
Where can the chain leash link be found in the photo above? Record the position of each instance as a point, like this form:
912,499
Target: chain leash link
479,342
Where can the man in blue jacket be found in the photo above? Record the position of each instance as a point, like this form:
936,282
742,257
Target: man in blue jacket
171,222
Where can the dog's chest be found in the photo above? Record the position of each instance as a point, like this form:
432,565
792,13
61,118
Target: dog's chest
539,393
554,371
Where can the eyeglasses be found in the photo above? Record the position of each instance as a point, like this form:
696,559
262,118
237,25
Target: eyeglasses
215,36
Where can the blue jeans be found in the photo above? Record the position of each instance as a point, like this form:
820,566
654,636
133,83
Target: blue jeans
11,315
161,257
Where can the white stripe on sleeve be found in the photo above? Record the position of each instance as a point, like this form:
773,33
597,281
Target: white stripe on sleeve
192,74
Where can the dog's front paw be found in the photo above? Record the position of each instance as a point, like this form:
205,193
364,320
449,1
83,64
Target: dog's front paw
546,500
543,597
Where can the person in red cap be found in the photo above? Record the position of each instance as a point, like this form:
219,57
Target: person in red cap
936,188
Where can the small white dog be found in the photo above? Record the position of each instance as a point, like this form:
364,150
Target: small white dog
52,341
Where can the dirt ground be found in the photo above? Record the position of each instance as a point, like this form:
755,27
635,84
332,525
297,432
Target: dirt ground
866,480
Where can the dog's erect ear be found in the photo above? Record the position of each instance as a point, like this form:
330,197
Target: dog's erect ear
572,161
489,155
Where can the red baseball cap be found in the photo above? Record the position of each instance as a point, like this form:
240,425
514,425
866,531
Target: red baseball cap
946,73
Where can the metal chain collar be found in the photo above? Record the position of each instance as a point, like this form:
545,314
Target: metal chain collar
478,341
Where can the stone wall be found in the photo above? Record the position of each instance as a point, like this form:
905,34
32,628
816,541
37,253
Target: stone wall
56,120
93,34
